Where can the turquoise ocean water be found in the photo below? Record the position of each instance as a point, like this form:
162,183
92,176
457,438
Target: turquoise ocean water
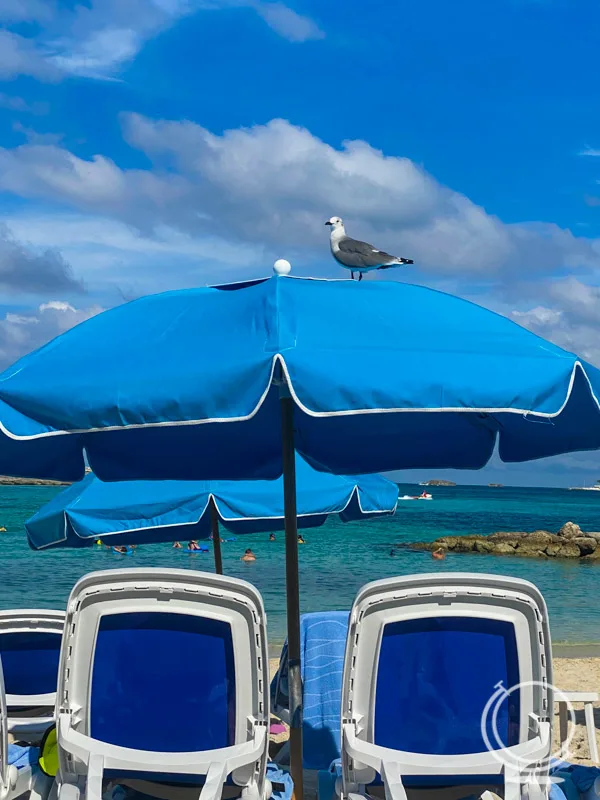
338,558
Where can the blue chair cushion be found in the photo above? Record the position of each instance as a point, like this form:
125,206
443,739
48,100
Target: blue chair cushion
434,679
163,682
30,661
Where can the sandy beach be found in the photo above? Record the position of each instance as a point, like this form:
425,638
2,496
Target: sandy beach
579,675
570,674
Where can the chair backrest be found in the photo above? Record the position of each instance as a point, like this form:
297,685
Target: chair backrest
163,660
30,642
323,641
429,656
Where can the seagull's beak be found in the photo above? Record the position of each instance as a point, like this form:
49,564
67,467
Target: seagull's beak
328,222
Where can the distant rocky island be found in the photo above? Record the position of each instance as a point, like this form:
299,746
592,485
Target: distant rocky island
437,482
569,542
6,480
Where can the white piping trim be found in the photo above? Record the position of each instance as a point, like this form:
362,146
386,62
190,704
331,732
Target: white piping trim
211,496
278,358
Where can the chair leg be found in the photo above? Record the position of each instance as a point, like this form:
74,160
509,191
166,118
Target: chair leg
512,784
68,791
40,786
534,790
392,781
563,723
591,731
215,780
95,773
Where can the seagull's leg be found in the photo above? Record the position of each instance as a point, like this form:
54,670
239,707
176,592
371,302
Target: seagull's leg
360,277
352,274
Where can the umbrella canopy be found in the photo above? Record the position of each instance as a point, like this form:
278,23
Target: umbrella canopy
139,512
225,383
382,376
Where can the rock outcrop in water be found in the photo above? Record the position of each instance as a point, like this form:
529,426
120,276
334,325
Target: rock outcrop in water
6,480
569,542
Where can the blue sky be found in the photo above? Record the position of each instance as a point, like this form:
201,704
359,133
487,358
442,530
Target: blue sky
152,144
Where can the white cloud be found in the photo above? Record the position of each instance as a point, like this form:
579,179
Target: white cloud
117,261
272,186
28,271
589,151
15,103
101,53
570,317
99,38
579,300
57,305
53,172
109,33
287,23
582,339
21,56
33,137
538,317
21,319
12,11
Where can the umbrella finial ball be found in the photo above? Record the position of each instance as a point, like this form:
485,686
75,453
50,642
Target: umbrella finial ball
282,267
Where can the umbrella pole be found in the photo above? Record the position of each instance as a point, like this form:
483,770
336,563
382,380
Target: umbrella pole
216,536
292,584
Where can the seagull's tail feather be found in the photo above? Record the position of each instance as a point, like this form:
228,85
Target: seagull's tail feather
397,263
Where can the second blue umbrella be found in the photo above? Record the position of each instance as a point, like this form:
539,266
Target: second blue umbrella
140,512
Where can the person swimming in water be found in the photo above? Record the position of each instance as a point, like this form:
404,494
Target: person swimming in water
122,549
177,545
272,537
193,545
392,552
300,539
248,556
439,554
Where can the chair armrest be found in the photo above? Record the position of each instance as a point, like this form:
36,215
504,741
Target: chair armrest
485,763
190,763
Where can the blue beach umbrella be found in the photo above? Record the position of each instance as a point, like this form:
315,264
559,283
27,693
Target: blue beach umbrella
223,383
141,512
186,385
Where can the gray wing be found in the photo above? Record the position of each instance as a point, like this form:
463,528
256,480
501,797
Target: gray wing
353,253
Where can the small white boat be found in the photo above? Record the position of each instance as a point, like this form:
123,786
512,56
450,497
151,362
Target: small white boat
424,496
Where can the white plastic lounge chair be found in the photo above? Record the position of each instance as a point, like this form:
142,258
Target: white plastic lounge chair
425,654
19,773
163,678
30,641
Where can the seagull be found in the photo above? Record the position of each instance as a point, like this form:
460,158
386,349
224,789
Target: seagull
359,256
